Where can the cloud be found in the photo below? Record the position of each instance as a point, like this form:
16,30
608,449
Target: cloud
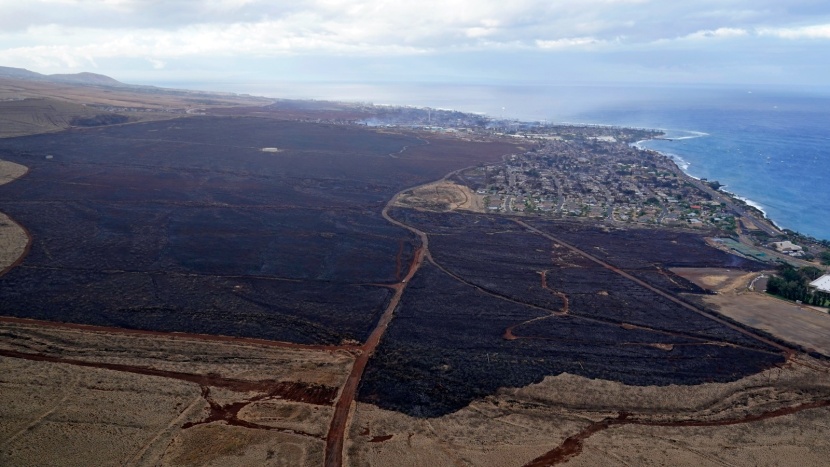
158,35
819,31
719,33
157,64
567,43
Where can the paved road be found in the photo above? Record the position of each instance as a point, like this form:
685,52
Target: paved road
738,210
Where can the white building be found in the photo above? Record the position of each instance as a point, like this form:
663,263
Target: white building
786,247
822,284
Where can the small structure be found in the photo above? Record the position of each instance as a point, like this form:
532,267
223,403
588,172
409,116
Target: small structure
786,247
822,284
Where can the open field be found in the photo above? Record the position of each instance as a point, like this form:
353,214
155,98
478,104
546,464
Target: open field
801,325
73,395
13,242
13,237
121,96
9,171
772,418
32,107
33,116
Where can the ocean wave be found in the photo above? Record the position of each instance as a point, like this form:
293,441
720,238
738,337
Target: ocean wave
677,135
756,206
682,163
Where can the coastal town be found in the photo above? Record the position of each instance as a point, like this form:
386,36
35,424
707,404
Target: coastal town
600,174
599,178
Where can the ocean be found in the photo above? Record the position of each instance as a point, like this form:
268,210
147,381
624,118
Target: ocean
771,149
769,146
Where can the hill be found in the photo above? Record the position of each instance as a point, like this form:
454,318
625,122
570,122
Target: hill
33,103
84,78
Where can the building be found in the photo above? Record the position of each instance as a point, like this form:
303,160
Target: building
787,247
822,284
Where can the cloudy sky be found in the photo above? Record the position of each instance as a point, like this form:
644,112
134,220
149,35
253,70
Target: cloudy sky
448,41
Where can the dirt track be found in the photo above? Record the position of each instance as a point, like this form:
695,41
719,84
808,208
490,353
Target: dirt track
573,445
342,409
508,333
785,350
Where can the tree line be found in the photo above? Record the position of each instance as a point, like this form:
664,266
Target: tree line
793,284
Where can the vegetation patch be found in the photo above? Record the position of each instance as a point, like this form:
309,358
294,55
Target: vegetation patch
794,284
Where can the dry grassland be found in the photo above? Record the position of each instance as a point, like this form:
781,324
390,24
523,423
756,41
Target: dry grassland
68,411
9,171
13,238
33,107
152,98
802,325
517,426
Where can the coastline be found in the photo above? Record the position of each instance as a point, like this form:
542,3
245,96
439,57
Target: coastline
682,166
15,240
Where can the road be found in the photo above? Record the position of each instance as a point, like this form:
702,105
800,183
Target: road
736,209
788,352
343,406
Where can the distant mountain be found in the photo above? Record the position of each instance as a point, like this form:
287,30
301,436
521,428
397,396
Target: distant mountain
19,73
88,79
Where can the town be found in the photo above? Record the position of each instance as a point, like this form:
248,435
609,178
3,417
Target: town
597,173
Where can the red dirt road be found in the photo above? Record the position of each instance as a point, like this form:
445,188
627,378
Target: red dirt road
788,352
572,446
508,333
342,409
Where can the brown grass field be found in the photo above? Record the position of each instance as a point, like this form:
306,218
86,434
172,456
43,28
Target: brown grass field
13,237
76,397
32,107
806,326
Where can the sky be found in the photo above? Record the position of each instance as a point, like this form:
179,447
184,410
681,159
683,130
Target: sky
441,41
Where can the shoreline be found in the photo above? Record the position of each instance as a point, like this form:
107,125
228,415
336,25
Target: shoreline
683,166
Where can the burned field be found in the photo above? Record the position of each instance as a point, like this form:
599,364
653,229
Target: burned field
188,226
503,306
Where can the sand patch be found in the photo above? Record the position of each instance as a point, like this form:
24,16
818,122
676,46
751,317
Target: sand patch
13,242
717,279
13,238
9,171
441,196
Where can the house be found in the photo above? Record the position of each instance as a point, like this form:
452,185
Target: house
822,284
786,247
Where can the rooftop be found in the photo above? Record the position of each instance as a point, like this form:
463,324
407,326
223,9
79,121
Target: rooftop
822,283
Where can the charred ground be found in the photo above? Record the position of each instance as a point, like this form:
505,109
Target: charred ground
501,306
189,226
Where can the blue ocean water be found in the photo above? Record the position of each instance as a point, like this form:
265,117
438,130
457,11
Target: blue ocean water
768,146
